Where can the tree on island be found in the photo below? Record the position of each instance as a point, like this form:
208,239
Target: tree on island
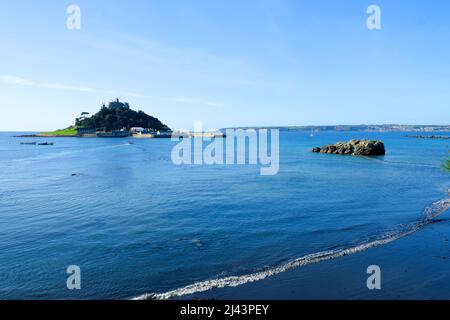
447,165
118,115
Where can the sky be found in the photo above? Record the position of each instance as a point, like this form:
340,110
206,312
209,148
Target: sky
226,62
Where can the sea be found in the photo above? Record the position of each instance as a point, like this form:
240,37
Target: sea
139,226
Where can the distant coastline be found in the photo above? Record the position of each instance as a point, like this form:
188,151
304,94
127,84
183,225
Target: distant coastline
362,128
428,137
64,133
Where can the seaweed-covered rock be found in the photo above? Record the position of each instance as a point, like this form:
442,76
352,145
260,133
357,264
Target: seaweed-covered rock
354,147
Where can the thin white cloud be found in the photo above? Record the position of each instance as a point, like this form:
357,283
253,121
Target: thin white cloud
179,62
197,101
13,80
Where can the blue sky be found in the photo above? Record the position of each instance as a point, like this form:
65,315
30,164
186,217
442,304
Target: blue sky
227,63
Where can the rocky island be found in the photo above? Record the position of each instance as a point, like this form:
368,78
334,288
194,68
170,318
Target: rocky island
354,147
118,120
114,120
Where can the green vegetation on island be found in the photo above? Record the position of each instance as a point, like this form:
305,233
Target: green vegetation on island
70,131
447,165
116,116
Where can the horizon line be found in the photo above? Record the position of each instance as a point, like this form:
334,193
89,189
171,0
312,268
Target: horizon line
295,126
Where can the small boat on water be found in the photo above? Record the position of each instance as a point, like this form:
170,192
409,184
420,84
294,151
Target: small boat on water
46,144
312,133
28,143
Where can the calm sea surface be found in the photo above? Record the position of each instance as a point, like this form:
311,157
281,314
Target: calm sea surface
135,223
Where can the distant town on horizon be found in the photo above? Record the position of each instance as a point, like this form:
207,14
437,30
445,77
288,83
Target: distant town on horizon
362,127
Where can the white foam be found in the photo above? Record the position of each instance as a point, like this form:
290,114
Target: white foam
431,212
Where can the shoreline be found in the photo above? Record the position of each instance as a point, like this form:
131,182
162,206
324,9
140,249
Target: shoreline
205,287
44,136
405,274
136,136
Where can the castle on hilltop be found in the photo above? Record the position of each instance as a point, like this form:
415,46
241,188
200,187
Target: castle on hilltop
117,105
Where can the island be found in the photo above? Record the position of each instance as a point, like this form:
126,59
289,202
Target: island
114,120
118,120
354,147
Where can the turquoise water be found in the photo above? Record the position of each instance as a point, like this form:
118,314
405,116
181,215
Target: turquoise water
136,224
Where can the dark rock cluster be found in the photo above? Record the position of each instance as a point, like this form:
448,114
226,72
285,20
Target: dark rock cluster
354,147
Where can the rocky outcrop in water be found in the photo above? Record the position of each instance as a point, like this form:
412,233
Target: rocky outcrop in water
354,147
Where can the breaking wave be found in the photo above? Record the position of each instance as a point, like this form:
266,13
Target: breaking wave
429,214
